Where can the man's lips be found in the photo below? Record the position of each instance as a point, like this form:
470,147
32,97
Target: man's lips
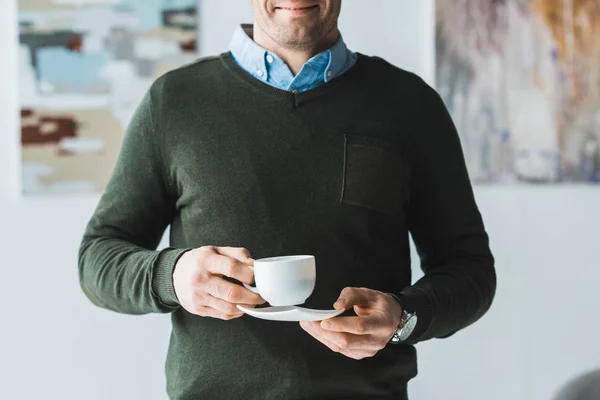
305,8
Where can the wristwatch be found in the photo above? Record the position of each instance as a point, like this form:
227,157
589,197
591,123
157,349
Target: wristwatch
407,324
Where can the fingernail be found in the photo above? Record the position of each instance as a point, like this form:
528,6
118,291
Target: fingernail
340,302
325,324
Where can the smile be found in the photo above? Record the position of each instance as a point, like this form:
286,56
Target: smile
297,8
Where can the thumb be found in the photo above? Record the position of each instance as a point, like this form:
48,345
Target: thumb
340,304
352,297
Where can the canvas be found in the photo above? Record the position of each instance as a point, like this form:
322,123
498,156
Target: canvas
84,66
521,79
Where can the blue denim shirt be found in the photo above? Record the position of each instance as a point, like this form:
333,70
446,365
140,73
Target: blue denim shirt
270,68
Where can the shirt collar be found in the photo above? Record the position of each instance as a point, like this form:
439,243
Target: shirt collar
251,56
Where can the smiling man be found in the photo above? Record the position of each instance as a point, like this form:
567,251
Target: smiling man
290,143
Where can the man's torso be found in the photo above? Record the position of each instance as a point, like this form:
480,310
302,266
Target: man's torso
324,173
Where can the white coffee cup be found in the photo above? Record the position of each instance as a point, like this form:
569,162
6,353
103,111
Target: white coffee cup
285,280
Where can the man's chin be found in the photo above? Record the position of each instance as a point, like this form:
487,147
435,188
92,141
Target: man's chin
298,44
301,37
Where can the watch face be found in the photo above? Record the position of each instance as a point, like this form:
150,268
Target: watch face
408,328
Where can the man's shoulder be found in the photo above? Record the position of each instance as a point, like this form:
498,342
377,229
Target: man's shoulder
202,64
386,67
197,71
379,70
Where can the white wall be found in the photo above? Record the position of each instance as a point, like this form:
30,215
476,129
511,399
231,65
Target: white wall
542,329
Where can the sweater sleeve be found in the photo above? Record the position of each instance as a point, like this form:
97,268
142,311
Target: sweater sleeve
119,267
459,281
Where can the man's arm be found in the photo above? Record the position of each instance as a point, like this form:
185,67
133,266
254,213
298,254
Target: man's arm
460,280
119,267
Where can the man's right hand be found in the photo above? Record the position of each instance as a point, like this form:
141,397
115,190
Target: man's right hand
201,289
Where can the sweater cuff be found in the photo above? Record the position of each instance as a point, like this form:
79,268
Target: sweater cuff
162,277
415,299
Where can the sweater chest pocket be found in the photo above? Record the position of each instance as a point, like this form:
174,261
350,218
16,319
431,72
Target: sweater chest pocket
375,174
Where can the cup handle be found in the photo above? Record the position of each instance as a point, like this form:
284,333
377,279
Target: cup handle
251,288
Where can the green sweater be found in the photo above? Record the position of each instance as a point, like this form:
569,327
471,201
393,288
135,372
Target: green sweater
344,172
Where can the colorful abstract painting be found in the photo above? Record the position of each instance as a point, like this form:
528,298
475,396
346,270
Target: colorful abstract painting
521,79
84,66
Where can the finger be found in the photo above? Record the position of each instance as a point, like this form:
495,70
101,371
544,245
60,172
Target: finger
231,292
239,253
356,354
205,311
222,306
224,265
345,341
351,296
311,330
355,325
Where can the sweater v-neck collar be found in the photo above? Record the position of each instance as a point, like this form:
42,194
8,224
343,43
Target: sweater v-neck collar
294,98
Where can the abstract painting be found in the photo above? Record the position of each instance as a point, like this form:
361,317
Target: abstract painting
521,79
84,66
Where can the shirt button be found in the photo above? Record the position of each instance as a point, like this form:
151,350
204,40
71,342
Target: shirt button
260,73
329,73
270,58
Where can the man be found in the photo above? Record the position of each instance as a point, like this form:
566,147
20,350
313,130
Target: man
291,144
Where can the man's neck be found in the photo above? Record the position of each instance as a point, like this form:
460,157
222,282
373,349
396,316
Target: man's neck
295,59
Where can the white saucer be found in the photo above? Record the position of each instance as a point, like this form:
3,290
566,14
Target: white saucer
290,313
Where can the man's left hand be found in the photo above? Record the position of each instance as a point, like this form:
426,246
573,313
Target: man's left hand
378,316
